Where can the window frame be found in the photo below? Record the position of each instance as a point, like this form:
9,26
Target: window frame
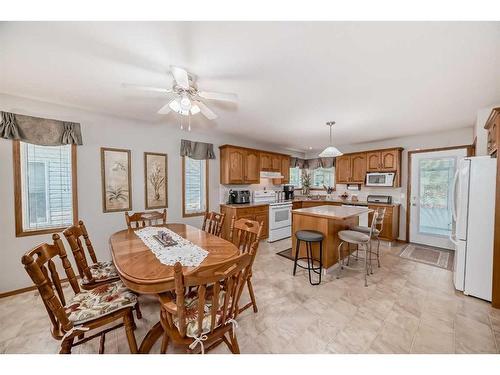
299,187
321,188
194,214
18,194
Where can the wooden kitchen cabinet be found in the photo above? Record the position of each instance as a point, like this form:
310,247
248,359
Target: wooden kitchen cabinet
239,166
373,161
390,227
242,166
284,170
492,126
257,213
232,166
351,168
358,168
265,162
343,169
252,167
276,163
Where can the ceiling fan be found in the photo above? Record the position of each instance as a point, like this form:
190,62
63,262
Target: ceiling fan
187,99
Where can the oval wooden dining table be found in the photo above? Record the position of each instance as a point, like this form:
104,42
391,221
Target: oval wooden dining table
142,272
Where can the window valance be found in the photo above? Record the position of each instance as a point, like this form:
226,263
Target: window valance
197,150
39,131
312,163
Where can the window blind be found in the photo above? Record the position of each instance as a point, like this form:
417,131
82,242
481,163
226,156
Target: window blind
46,180
194,186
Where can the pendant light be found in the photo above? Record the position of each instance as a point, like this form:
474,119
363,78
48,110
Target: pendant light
331,150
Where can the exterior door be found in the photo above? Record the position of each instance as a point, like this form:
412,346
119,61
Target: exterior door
252,167
432,175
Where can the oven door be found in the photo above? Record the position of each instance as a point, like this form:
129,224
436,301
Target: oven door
280,216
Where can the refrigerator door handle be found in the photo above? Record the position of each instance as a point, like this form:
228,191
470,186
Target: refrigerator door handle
454,195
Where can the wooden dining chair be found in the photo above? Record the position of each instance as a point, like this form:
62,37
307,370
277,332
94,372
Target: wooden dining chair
144,219
86,310
205,305
213,222
93,273
245,234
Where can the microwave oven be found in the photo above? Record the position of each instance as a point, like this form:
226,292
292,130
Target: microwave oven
380,179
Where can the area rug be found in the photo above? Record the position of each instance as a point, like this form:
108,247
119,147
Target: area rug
429,255
286,254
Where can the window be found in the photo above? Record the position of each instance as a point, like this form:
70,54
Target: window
322,176
194,187
295,177
44,188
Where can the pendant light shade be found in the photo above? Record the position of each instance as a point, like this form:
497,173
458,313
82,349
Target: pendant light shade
330,151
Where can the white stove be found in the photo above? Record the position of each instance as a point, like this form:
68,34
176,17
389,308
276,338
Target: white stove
280,214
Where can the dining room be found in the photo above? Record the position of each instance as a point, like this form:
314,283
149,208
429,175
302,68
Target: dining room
216,188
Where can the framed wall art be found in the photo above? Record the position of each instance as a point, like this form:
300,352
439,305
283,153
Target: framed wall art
155,180
116,180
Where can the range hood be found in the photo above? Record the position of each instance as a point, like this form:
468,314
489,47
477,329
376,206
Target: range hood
264,174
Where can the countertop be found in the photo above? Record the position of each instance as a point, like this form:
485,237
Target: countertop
332,212
244,205
335,200
345,201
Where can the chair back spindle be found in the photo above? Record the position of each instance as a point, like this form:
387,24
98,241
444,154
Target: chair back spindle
74,235
213,222
144,219
220,285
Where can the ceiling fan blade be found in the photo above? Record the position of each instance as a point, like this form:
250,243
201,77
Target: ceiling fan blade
180,76
225,96
207,112
165,109
147,88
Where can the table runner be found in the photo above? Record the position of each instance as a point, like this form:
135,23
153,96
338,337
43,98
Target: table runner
185,252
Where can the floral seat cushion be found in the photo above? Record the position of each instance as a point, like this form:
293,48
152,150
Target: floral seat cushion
100,301
101,271
191,303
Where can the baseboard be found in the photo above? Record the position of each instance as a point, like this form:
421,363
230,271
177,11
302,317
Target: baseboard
24,290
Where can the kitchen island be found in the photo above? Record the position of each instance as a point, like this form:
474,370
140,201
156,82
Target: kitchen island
328,220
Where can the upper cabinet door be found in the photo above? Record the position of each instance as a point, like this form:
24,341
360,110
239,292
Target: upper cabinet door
389,160
343,169
358,168
373,161
285,169
236,166
276,163
252,167
265,162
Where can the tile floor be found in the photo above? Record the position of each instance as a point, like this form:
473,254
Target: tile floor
408,307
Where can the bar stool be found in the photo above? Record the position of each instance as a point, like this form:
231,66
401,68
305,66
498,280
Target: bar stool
309,237
379,224
359,239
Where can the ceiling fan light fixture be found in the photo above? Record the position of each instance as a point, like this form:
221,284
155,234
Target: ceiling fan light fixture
331,150
185,103
175,105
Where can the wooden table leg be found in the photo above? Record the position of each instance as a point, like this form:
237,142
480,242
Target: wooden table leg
151,338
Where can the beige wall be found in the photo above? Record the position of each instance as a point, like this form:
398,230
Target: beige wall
98,131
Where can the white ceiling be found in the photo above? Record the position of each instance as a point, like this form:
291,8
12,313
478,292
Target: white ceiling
377,80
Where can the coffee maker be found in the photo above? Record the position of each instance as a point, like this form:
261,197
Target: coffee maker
289,191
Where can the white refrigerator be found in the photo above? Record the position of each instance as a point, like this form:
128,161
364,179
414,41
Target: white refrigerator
473,210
